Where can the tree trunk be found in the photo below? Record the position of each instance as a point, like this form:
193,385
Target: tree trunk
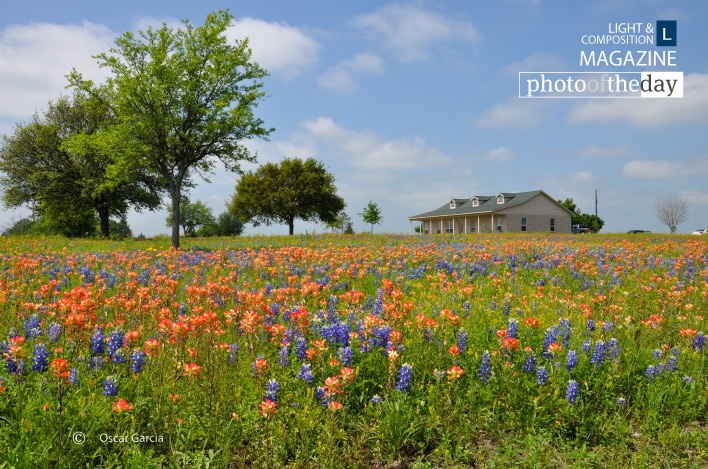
176,196
104,216
291,226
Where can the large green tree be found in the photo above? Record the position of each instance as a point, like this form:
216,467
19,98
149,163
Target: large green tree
185,98
59,166
282,193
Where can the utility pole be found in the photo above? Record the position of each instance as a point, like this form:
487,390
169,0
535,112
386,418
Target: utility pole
595,203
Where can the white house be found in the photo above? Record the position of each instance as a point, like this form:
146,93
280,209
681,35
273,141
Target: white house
533,211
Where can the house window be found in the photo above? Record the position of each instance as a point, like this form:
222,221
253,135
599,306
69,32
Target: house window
553,225
475,202
472,226
500,199
499,225
453,204
426,227
523,224
449,226
439,227
461,228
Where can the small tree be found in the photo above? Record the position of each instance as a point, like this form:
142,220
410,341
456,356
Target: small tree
193,216
672,210
593,222
371,215
341,223
280,193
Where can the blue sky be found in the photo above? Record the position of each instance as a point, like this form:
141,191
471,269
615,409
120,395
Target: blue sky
412,103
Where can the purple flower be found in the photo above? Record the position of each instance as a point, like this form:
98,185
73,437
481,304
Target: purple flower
272,390
530,363
541,375
512,328
54,331
598,355
571,360
699,341
137,360
110,386
39,359
346,354
72,377
485,368
651,372
233,353
97,342
462,340
571,392
305,373
405,378
621,401
283,358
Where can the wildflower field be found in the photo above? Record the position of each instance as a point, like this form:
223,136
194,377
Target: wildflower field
355,351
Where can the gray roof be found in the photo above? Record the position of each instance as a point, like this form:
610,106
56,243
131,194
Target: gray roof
487,204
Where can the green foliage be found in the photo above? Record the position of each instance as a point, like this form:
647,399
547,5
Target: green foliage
593,222
342,223
183,99
281,193
55,165
371,214
192,216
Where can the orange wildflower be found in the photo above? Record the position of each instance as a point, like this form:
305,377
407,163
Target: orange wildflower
121,405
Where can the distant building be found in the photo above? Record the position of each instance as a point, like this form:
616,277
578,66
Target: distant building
516,212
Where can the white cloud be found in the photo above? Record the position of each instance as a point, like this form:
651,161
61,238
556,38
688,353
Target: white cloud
583,176
500,154
279,48
366,150
647,112
664,169
410,32
340,77
541,62
35,59
513,113
697,197
616,151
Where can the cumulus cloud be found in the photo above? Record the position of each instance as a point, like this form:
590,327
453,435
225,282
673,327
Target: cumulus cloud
583,176
35,59
535,63
513,113
279,48
340,77
616,151
692,108
410,32
500,154
664,169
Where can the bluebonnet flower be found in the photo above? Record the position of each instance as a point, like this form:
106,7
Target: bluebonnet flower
283,358
571,393
305,373
110,386
613,348
346,354
607,326
39,359
586,346
466,307
658,354
73,380
233,353
485,368
115,343
375,399
405,378
512,329
530,363
699,341
651,372
378,304
571,360
272,390
54,331
687,379
321,395
541,375
598,354
96,363
590,326
621,401
137,360
301,348
32,327
672,363
462,340
97,342
268,288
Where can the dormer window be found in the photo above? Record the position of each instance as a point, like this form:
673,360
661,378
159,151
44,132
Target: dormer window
500,199
453,204
475,202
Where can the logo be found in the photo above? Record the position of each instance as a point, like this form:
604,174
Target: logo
666,33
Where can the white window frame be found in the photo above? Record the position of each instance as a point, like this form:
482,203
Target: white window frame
475,202
523,223
450,226
500,199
